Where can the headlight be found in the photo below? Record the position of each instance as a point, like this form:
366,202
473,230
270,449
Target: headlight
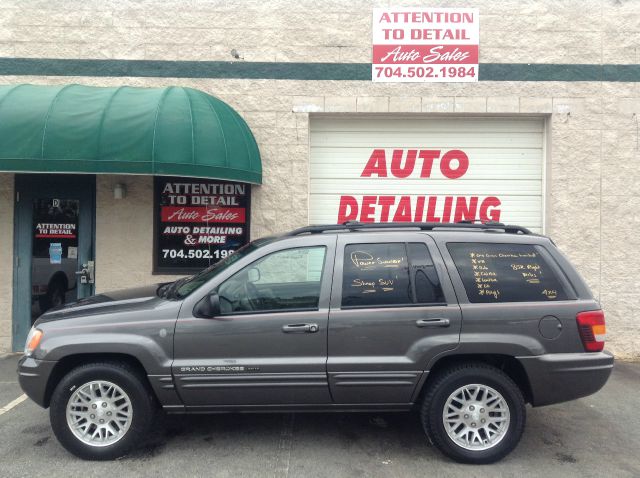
33,340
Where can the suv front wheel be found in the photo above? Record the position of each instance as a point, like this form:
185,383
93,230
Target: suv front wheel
474,413
99,411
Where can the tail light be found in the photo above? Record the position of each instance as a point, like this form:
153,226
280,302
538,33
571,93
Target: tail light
592,330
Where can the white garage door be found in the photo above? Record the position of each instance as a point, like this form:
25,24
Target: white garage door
442,170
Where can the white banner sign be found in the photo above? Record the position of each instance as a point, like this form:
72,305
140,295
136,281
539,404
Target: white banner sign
425,44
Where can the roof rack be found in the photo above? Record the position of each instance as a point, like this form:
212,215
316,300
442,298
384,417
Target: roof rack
422,226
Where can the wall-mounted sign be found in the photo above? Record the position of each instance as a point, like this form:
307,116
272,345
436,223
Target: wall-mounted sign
425,44
451,169
198,222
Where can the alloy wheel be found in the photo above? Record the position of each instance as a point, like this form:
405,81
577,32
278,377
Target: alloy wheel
99,413
476,417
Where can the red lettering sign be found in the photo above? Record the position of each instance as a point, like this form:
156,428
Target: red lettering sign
408,209
453,165
416,54
202,214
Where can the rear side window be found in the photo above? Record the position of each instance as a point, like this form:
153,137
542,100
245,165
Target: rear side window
389,274
505,273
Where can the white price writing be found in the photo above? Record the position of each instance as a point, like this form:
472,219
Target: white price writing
196,253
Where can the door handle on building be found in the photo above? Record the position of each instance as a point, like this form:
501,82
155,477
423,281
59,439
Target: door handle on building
87,273
433,323
300,328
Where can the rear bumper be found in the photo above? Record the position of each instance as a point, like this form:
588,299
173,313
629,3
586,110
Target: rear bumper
33,376
558,378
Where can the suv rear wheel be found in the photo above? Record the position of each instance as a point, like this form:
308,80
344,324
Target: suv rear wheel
100,410
474,413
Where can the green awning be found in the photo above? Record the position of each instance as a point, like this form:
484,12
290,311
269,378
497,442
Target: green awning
126,130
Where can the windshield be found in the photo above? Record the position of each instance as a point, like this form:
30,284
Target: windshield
185,286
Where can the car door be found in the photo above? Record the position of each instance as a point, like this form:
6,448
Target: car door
268,346
393,309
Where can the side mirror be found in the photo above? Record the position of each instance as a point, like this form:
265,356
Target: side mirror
208,307
253,275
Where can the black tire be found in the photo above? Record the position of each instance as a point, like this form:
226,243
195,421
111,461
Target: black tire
450,380
134,385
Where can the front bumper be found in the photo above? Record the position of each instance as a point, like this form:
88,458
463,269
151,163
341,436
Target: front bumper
558,378
33,376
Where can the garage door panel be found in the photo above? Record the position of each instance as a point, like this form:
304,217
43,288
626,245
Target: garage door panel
525,204
503,178
487,173
481,173
417,186
452,140
433,125
484,155
347,165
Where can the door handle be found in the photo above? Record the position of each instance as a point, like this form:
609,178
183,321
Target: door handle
87,274
433,323
300,328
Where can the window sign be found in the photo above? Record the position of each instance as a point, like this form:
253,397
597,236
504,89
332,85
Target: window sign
198,222
55,253
55,227
375,274
383,275
505,273
425,44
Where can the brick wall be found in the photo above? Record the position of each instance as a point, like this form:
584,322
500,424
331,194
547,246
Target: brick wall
541,31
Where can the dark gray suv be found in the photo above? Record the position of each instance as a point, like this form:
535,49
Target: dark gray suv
464,323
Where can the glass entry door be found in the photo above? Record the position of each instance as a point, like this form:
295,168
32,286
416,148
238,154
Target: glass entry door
54,230
54,253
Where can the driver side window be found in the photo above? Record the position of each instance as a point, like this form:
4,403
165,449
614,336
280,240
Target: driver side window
284,280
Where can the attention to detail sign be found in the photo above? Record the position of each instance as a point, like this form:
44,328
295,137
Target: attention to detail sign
198,222
425,44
